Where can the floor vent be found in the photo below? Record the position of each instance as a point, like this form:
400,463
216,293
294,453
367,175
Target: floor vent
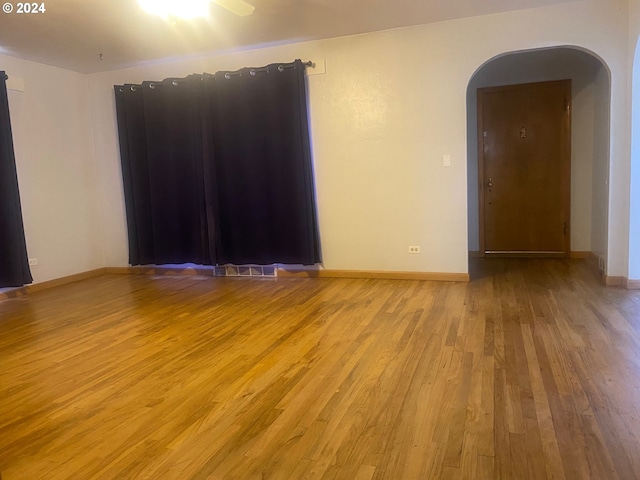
246,271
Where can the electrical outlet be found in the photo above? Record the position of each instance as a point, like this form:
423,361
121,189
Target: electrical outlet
414,249
33,261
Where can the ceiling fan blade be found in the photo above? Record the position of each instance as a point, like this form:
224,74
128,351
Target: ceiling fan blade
239,7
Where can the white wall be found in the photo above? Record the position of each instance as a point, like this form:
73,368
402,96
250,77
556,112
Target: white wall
390,105
601,168
586,139
53,147
634,114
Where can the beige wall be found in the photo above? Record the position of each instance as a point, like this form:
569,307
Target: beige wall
389,106
634,116
600,174
53,147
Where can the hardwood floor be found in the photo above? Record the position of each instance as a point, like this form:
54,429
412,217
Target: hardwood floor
530,371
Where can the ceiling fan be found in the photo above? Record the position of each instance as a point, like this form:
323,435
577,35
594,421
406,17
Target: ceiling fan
194,8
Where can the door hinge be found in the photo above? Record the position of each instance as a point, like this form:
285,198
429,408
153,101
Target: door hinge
565,227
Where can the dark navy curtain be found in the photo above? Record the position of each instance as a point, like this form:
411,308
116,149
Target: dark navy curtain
162,164
14,263
217,168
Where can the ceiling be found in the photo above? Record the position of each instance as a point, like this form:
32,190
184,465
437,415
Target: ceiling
73,33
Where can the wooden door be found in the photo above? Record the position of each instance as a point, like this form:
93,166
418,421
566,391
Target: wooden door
524,168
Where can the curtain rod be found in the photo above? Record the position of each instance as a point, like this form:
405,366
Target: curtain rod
306,64
281,67
227,74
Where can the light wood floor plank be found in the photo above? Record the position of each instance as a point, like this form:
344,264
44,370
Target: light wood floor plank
531,370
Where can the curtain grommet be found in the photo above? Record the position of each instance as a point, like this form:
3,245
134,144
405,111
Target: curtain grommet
280,68
174,83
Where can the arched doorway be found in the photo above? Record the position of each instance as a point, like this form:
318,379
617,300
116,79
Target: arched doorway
591,95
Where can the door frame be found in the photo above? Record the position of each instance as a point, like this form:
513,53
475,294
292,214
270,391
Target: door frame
565,159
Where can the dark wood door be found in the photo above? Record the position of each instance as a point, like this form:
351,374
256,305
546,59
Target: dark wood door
524,168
